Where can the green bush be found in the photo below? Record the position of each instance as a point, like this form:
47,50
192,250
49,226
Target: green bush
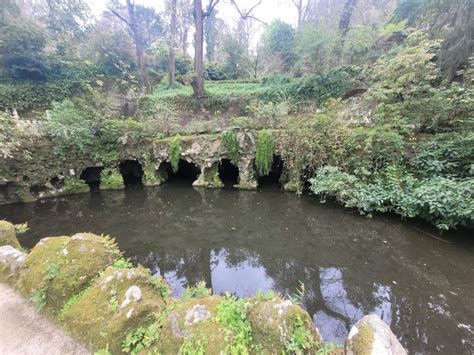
442,201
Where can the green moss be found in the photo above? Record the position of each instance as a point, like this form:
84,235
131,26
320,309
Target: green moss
104,319
278,325
8,235
211,178
265,147
110,180
174,152
231,145
79,260
182,327
363,340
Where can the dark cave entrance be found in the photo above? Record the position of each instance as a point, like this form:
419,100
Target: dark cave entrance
91,177
187,172
132,172
228,173
274,176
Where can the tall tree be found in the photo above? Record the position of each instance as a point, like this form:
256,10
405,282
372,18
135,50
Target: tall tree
302,7
172,63
185,21
199,16
144,25
346,16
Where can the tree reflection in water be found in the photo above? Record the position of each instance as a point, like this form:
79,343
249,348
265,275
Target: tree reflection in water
242,242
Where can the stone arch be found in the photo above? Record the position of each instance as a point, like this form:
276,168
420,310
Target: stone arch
91,176
132,172
228,172
188,172
276,175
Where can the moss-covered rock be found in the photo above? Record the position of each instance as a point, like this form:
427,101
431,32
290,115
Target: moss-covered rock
192,324
10,261
59,267
209,178
371,336
8,235
279,325
117,303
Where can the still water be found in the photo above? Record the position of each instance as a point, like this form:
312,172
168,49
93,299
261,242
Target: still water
419,282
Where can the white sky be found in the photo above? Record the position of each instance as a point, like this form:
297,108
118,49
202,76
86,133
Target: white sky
267,11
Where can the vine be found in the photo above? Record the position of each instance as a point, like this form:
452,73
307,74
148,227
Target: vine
174,153
264,152
231,145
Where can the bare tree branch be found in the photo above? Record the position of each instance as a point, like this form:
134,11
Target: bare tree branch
119,16
210,7
247,14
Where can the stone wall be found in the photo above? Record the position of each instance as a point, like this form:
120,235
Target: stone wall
25,178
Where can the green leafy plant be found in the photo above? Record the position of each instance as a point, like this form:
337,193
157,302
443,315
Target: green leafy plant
197,291
174,152
161,285
193,345
265,148
301,340
122,263
141,338
231,313
22,228
39,297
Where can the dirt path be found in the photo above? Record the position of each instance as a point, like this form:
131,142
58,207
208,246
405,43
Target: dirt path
24,331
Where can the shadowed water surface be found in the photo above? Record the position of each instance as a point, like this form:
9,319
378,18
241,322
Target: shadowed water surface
418,282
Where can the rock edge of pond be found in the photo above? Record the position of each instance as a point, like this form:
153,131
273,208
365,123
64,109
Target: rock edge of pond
84,284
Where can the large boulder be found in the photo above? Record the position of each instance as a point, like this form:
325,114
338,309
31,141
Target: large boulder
371,336
60,267
10,261
280,326
193,322
8,235
118,303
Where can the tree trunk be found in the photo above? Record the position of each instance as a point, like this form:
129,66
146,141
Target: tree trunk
346,16
140,51
172,63
198,80
185,42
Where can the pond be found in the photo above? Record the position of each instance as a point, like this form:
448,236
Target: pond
417,281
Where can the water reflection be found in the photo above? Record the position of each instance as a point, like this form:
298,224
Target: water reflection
242,242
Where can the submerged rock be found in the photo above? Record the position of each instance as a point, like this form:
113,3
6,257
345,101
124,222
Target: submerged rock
10,261
118,302
8,235
371,336
277,324
59,267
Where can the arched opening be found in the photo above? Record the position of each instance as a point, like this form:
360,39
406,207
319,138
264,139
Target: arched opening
91,177
274,176
228,173
187,172
132,172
